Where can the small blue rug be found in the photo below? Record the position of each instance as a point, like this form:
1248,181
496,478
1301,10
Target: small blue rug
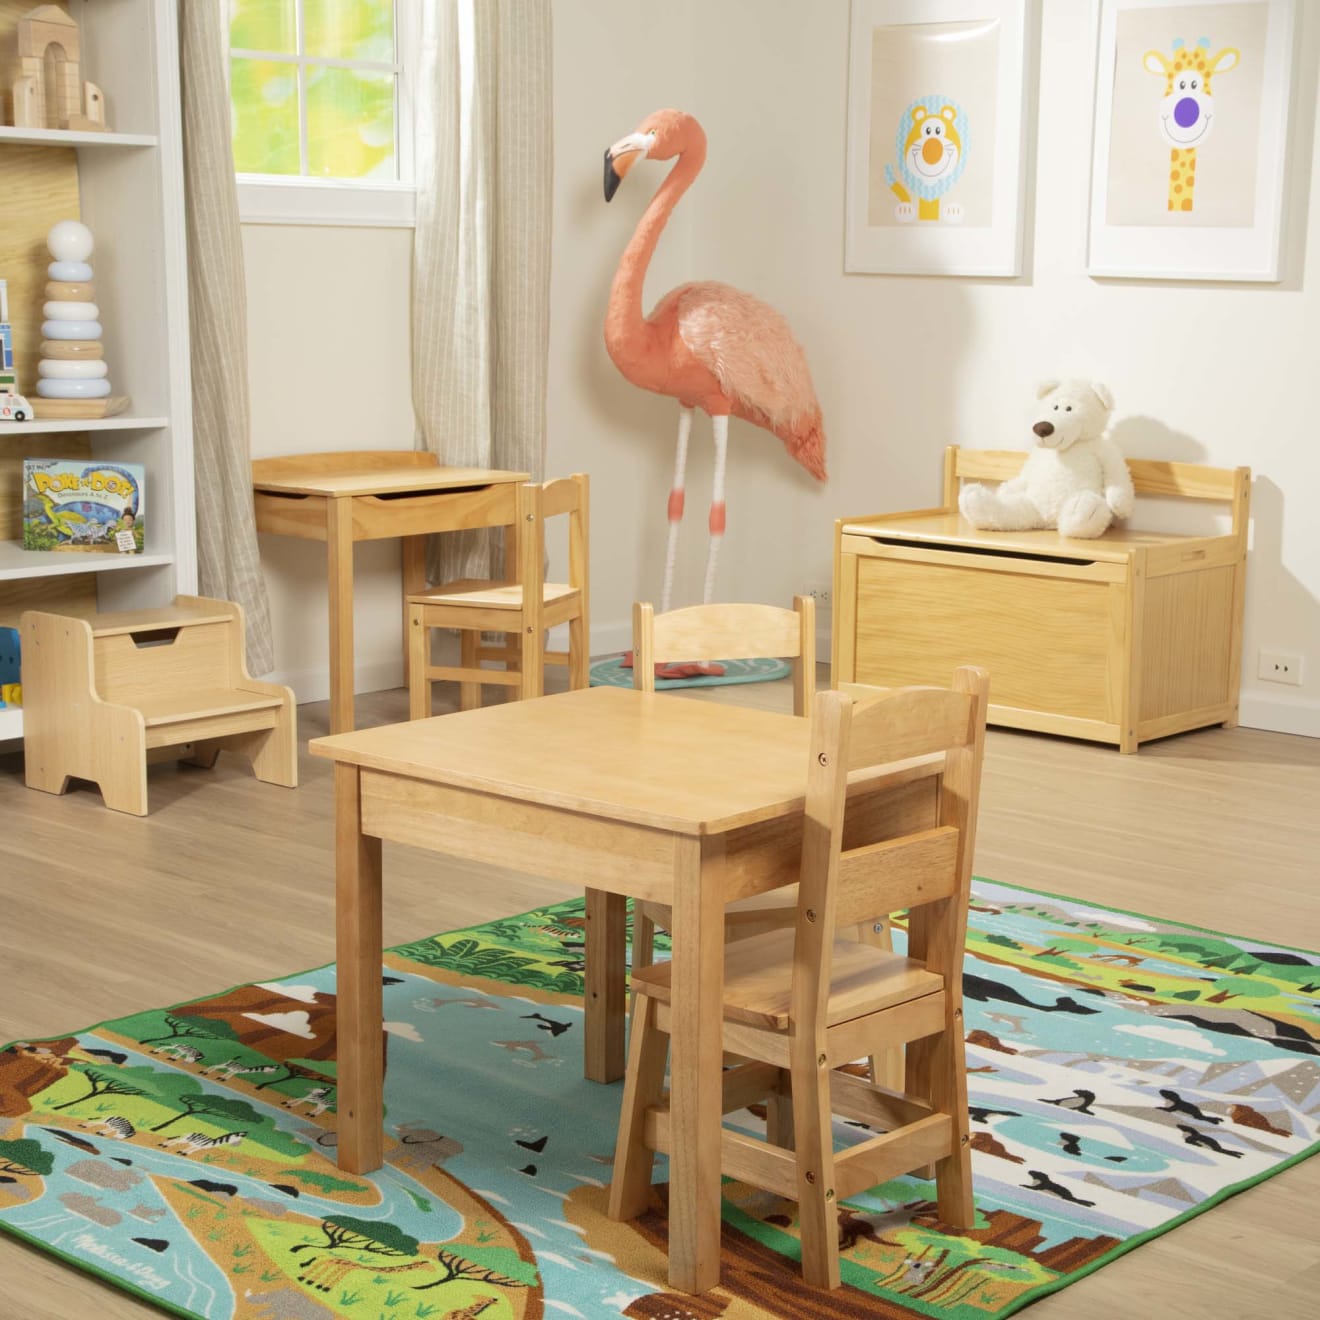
610,672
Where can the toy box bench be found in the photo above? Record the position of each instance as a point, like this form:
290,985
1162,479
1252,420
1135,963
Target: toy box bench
1126,638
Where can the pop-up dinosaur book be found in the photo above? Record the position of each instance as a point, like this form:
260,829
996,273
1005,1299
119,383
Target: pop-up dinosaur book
81,504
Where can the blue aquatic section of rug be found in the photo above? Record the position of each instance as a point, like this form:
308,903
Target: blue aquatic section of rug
1125,1073
610,672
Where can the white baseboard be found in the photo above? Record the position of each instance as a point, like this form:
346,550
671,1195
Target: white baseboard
314,684
1261,710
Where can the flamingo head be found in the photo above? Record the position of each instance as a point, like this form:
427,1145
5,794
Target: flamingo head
662,135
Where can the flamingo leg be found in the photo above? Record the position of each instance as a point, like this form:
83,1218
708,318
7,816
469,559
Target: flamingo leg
721,424
676,505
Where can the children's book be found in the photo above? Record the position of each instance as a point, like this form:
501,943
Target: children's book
80,504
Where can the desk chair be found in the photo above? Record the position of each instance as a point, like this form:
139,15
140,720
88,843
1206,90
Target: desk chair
799,1004
522,609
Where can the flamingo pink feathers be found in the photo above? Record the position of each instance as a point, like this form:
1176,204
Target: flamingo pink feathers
706,344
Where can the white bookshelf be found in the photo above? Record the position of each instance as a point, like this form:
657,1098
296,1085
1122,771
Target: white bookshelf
130,185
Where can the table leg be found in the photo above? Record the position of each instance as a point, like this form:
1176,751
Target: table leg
339,557
412,574
695,1063
359,1033
605,986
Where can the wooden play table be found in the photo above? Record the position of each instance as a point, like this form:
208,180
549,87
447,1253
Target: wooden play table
633,795
373,495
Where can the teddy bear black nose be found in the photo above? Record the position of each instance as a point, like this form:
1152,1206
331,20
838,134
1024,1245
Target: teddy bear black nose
1043,429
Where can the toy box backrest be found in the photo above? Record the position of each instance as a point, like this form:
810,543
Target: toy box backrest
1152,477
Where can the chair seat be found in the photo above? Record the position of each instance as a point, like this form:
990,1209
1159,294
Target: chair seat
488,595
758,976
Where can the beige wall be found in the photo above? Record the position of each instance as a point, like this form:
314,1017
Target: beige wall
902,366
329,366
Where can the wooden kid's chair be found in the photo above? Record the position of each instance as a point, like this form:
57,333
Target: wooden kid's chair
730,632
798,1004
522,609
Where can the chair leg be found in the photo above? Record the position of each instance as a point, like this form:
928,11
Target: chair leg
643,1087
643,939
532,661
578,659
818,1210
887,1068
469,694
953,1174
779,1121
419,662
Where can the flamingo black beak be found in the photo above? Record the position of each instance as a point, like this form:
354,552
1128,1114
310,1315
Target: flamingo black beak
622,156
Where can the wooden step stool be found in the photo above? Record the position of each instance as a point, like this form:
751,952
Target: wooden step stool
100,693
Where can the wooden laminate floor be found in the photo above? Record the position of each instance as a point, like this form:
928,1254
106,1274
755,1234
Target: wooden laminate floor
229,881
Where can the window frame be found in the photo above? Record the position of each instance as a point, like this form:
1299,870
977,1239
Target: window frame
286,199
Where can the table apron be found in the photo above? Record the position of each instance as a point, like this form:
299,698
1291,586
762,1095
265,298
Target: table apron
376,518
533,839
302,516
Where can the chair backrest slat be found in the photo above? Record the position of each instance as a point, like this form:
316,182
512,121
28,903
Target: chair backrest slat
928,870
895,874
908,722
728,632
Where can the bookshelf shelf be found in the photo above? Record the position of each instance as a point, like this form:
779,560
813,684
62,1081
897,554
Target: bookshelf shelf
61,137
17,563
53,426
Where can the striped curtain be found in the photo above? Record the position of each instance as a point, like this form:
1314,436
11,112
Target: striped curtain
227,563
481,253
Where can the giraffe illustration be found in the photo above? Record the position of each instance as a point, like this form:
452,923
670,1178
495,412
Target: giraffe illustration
1187,111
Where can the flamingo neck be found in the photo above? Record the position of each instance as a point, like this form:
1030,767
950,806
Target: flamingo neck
625,325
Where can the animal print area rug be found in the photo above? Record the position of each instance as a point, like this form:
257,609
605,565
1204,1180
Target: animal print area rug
1126,1073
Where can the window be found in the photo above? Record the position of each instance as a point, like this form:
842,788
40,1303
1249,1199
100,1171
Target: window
321,105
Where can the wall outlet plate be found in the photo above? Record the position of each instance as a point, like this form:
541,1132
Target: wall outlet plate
823,596
1280,667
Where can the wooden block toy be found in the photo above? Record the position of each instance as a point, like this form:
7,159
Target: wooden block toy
101,693
51,93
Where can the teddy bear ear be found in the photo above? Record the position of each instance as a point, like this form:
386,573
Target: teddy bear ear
1102,393
1045,387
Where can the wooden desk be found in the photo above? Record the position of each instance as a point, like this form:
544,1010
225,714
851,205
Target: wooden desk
371,496
633,794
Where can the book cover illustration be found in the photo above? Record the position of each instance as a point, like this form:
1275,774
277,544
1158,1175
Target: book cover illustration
79,504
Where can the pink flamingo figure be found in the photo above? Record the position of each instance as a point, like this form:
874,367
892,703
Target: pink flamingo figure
708,345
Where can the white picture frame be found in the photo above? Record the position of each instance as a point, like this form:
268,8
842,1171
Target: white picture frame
962,61
1232,232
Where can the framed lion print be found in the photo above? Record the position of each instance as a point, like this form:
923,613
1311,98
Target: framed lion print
936,110
1191,117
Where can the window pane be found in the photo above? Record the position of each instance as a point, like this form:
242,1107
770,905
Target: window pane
349,29
350,124
263,25
265,116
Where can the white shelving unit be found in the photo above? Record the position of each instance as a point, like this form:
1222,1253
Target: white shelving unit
130,185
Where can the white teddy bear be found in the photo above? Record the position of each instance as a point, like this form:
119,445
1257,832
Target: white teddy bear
1075,479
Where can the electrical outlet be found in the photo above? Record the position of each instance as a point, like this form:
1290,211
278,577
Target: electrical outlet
823,596
1280,667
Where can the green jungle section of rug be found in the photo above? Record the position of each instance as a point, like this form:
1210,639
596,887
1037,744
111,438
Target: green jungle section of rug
1125,1073
611,672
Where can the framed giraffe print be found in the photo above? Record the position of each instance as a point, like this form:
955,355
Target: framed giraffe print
936,92
1191,127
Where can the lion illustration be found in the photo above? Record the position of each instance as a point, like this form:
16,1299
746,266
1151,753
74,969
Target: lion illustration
932,151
